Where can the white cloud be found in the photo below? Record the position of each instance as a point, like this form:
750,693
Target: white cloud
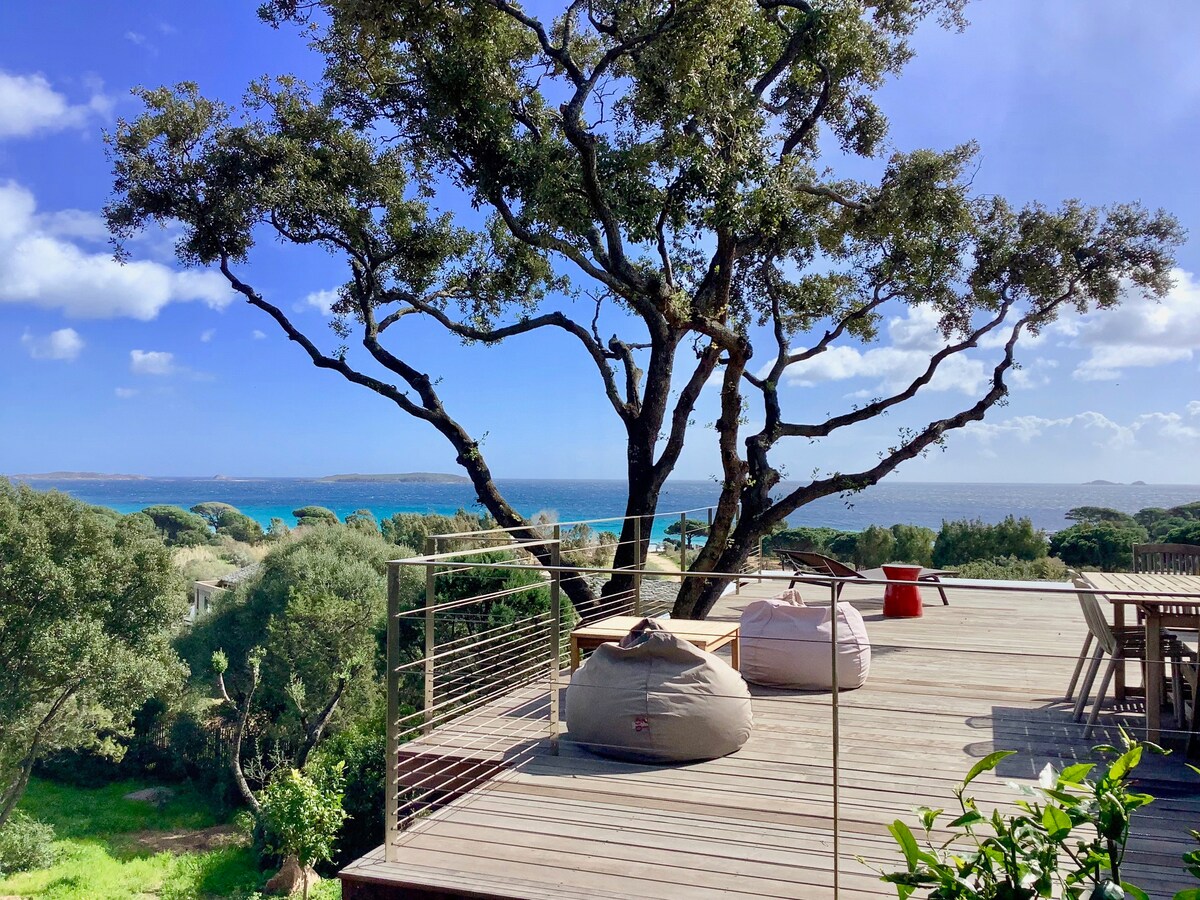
258,335
207,335
41,266
1139,333
135,37
65,343
152,362
319,300
1193,408
1145,430
915,337
29,105
125,393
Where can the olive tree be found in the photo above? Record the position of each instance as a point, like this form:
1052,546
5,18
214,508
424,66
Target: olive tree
88,603
673,169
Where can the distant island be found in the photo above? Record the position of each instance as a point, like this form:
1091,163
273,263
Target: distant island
1101,481
77,476
423,477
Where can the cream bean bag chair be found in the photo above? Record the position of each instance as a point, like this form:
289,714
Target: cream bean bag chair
786,644
656,698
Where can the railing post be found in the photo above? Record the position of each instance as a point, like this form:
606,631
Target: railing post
682,545
431,549
637,565
392,780
760,557
555,636
834,730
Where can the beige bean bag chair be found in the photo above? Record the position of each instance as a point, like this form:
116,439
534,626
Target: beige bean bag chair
786,644
657,698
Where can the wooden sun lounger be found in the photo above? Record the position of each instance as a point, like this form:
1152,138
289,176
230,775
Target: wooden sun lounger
805,563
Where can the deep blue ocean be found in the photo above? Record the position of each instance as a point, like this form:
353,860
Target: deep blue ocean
885,504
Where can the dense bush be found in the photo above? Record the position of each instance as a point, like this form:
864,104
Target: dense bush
875,546
964,541
411,529
25,844
815,540
1159,523
1183,533
914,544
1102,545
361,748
1048,568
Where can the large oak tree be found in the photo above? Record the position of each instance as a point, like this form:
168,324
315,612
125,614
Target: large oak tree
668,165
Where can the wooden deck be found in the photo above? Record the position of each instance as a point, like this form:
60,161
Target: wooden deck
983,674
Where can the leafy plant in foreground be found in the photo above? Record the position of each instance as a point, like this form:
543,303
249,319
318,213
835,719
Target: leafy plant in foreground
1067,839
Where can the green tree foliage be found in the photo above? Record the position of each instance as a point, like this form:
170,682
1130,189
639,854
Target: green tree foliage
696,167
1089,515
1160,522
966,540
875,546
1184,533
211,512
914,544
302,814
87,606
1102,545
802,538
300,644
277,531
411,529
178,527
364,520
240,527
315,515
691,528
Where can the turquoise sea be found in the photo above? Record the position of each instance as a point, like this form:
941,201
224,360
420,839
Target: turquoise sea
885,504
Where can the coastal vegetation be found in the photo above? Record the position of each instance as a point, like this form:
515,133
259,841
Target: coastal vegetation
694,171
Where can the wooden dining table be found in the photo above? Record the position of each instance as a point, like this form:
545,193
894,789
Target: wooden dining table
1166,606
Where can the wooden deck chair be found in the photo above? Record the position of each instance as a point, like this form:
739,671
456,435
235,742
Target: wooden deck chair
804,561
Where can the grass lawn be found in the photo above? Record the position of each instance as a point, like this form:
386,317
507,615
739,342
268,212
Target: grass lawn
109,848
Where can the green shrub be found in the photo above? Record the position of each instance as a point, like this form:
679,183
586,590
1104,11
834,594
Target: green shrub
302,813
875,547
1048,568
361,749
965,541
1067,837
914,544
1104,545
25,843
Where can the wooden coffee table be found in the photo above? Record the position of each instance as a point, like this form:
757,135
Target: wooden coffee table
704,634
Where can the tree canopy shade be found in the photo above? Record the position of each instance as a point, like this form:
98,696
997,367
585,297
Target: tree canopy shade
88,602
668,167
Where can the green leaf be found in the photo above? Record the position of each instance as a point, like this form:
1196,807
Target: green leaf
908,843
1188,894
1124,764
1076,773
986,764
967,819
1056,822
1132,890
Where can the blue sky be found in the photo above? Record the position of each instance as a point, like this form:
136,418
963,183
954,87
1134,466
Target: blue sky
146,368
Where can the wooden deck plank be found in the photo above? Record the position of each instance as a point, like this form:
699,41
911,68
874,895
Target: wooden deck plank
982,674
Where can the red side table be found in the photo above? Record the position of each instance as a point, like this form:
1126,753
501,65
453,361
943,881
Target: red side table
902,600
